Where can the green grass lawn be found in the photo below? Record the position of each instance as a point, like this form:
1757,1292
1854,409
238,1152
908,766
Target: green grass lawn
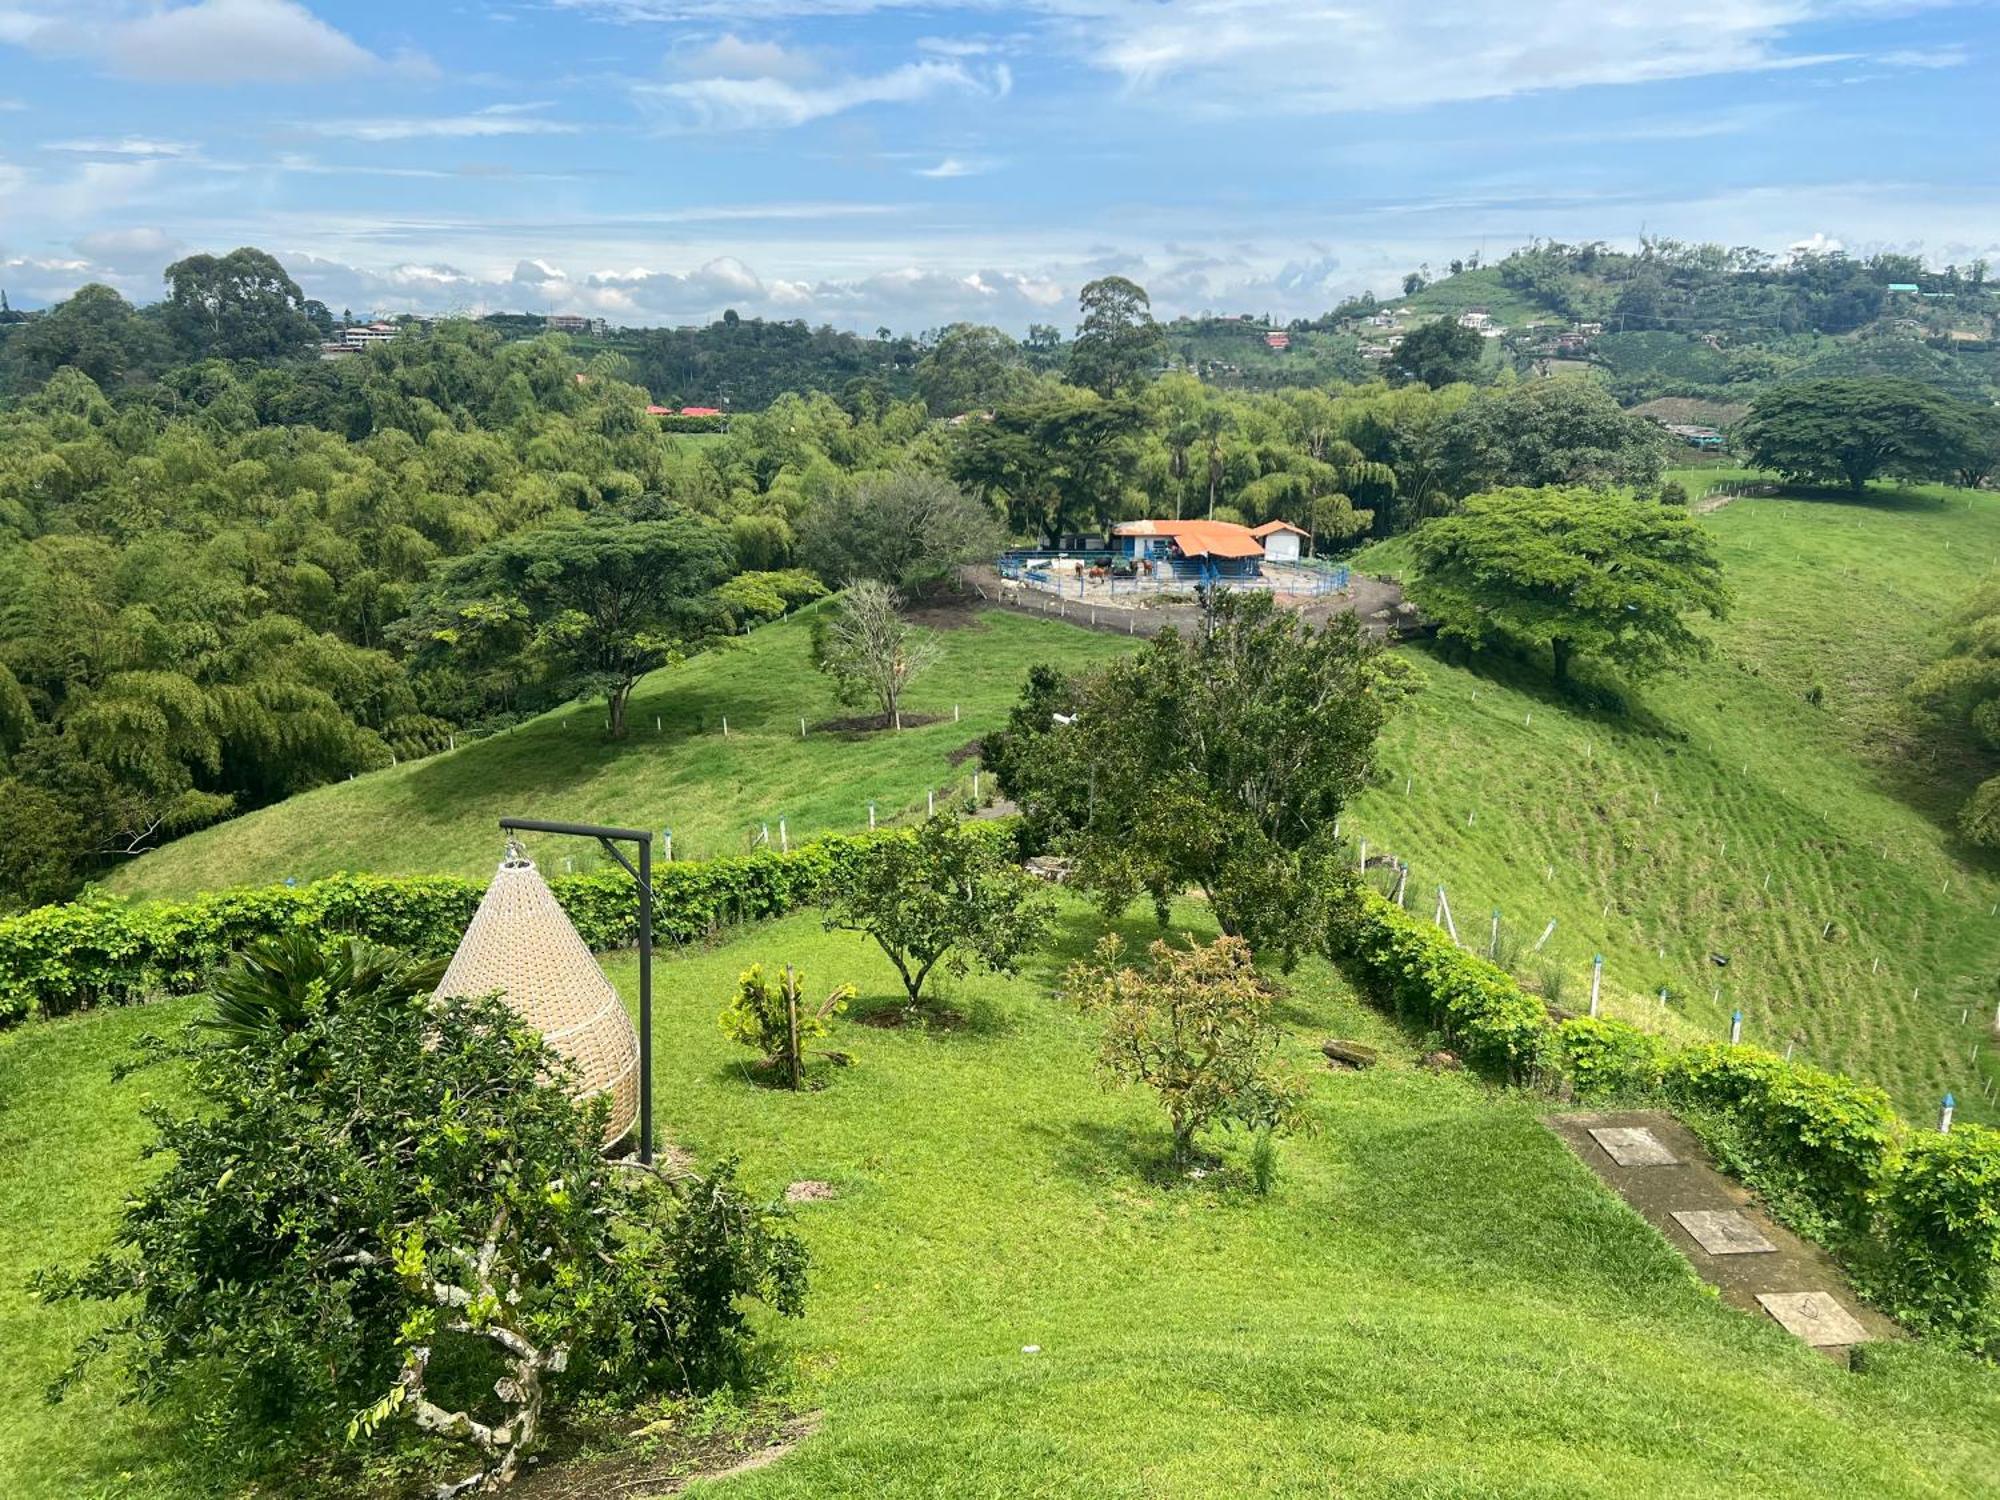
1436,1299
715,792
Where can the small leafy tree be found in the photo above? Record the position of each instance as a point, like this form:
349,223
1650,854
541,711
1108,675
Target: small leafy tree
279,985
868,648
945,894
1571,571
777,1020
1195,1027
388,1224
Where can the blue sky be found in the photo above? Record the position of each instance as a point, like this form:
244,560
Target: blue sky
887,162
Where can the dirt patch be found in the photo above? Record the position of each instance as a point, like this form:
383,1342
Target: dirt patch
970,750
862,724
667,1463
809,1191
898,1017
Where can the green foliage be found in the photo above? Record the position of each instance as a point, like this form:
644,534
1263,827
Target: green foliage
395,1185
1056,464
1195,1027
1940,1210
1440,352
280,985
777,1021
1814,1139
1957,698
863,642
909,529
1550,432
57,959
1603,1060
944,894
971,368
1571,571
1117,344
1221,762
1852,431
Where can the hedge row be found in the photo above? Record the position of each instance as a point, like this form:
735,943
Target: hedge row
102,950
1916,1215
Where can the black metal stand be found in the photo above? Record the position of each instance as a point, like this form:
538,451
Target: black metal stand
611,838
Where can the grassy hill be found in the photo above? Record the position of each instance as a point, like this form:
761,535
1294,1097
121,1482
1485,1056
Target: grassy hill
1436,1298
714,792
1795,841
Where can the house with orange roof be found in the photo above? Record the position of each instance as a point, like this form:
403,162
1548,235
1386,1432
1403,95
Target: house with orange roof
1198,550
1281,540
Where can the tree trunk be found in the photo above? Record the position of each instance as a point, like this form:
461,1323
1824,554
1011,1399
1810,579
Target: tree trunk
1560,649
615,702
793,1062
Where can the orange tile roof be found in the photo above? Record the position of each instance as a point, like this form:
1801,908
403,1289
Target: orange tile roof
1273,526
1198,538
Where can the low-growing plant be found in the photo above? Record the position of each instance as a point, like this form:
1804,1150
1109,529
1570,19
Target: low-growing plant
1554,982
1940,1216
777,1021
387,1227
1195,1027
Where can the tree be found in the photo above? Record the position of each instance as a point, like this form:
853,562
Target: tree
279,986
1441,352
1117,344
777,1021
863,642
241,305
1195,1027
909,529
1221,762
1576,572
1560,431
970,368
1852,431
1957,698
605,602
1057,463
94,331
400,1187
944,893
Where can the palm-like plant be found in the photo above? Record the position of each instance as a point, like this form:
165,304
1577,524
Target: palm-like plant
277,983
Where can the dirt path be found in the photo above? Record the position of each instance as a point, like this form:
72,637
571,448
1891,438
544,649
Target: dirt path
1654,1163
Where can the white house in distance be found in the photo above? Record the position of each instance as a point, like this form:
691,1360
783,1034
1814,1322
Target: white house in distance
1280,539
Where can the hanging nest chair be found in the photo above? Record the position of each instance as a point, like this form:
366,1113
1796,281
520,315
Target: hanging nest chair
521,944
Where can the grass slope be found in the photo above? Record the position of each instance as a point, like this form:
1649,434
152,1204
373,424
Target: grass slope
1752,783
437,815
1436,1299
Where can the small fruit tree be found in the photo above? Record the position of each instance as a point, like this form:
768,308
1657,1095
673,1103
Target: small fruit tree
778,1021
1195,1027
945,894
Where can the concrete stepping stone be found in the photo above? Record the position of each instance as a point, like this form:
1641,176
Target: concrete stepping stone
1816,1318
1723,1231
1634,1146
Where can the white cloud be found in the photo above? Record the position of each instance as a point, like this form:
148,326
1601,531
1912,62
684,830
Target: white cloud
1953,56
953,166
495,120
124,146
730,56
768,103
207,42
138,249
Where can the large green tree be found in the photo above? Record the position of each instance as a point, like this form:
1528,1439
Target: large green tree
1852,431
970,368
1117,343
1575,572
1057,464
908,529
1566,430
1220,760
1438,353
605,602
242,305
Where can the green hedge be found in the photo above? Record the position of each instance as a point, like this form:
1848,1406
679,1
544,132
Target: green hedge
1916,1215
57,959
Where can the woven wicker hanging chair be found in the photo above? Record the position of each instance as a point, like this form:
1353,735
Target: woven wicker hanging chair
521,943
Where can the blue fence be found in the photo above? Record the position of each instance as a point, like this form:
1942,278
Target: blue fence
1076,576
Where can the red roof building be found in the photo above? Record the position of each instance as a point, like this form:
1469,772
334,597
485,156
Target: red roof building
1278,339
701,411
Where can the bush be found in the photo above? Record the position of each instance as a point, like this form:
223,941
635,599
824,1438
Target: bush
1813,1139
1940,1221
777,1020
1605,1060
396,1209
1428,979
57,959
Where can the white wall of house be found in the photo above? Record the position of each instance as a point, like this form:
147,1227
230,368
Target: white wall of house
1281,546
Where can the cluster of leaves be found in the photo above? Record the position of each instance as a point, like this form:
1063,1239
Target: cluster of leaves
778,1021
1221,762
1957,697
945,894
56,959
1195,1027
1573,572
384,1223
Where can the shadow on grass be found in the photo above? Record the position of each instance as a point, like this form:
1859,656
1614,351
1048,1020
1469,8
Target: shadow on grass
934,1015
1092,1152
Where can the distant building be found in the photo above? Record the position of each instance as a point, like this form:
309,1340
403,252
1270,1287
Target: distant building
1477,318
1693,436
1910,288
1191,549
575,323
1277,338
1280,539
1374,351
701,411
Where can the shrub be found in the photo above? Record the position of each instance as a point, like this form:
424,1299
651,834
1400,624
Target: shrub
1940,1220
56,959
777,1021
1602,1059
1818,1140
396,1209
1195,1027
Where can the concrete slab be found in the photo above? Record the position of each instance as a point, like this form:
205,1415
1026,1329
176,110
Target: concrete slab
1723,1232
1815,1318
1634,1146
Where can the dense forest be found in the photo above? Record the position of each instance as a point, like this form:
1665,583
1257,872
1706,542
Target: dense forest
232,568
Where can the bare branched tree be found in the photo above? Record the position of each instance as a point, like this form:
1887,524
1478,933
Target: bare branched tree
867,646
